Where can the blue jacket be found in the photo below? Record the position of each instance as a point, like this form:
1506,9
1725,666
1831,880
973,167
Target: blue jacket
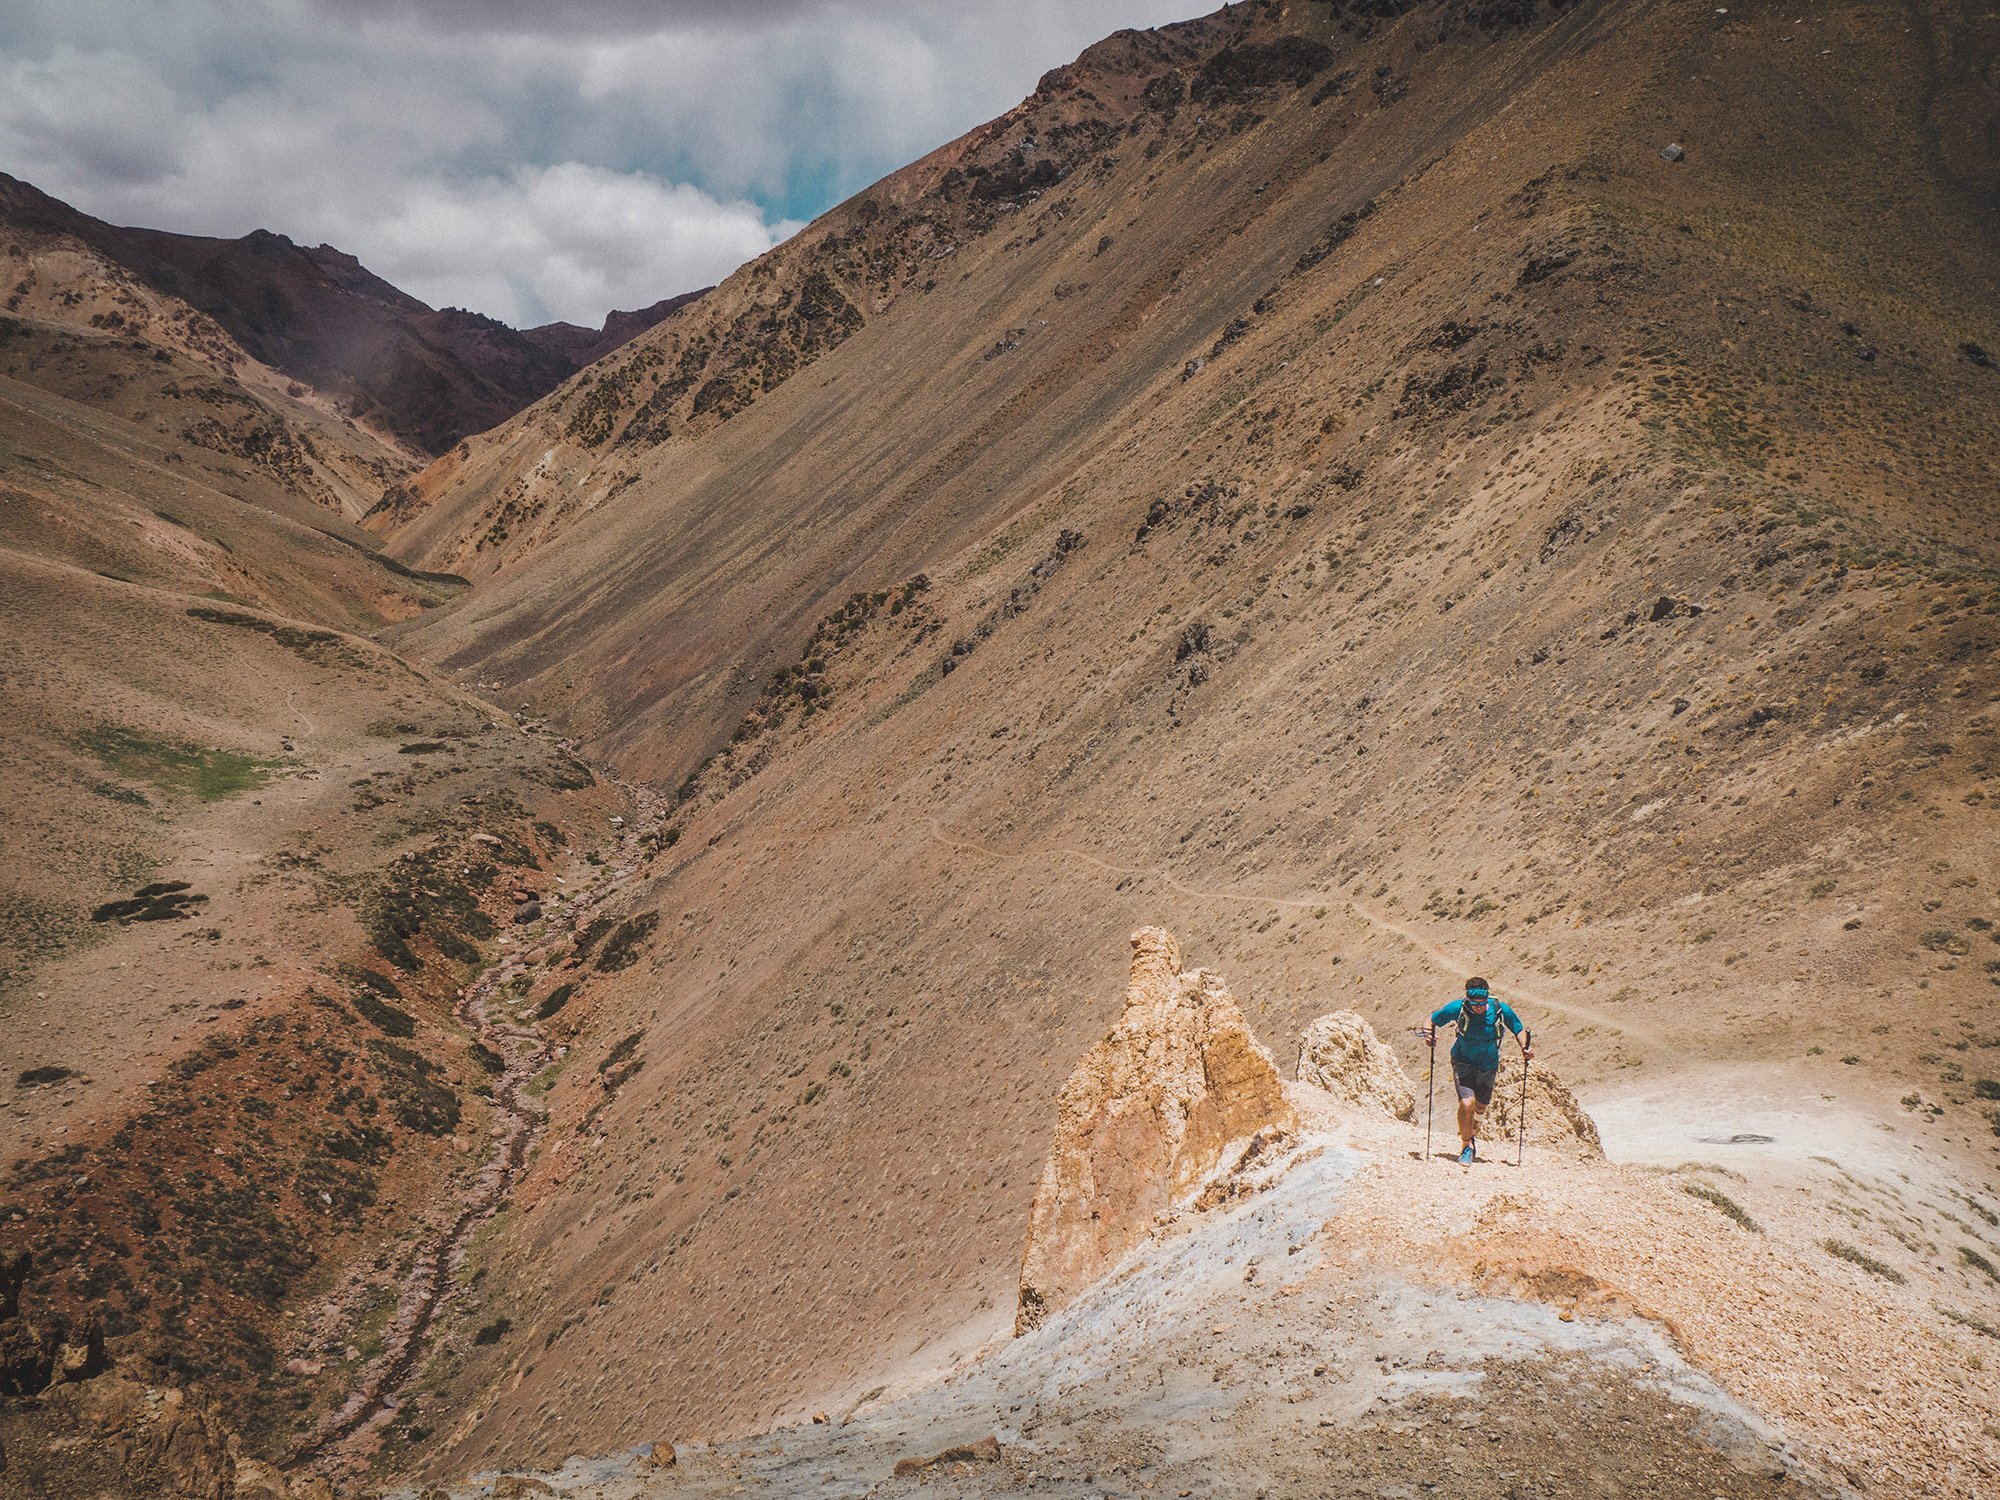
1478,1044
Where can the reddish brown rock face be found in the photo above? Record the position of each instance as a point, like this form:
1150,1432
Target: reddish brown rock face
1171,1093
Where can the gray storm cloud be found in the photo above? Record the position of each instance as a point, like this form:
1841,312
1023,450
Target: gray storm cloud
528,160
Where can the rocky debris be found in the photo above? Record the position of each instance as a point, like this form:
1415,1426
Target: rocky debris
256,1481
526,912
37,1357
661,1456
1673,151
77,1426
520,1486
1667,608
1270,1151
1556,1121
985,1451
116,1438
1341,1054
1179,1086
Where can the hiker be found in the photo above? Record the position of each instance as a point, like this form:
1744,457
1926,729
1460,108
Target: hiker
1475,1056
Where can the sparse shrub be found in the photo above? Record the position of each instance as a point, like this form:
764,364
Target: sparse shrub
384,1016
1944,940
557,999
1985,1088
1844,1251
1822,888
1724,1202
493,1332
623,947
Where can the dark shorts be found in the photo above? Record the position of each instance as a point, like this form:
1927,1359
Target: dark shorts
1473,1083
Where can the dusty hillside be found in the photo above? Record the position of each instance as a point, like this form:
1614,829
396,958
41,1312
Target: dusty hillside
253,859
1364,507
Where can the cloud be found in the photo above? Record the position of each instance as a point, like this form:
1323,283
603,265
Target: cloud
104,114
565,242
525,159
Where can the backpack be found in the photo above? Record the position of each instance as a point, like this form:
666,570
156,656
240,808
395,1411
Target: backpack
1493,1021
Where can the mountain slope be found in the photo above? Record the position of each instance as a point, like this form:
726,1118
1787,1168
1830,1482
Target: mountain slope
1316,478
216,794
421,378
1361,506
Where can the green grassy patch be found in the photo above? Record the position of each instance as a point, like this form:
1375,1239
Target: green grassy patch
545,1080
175,765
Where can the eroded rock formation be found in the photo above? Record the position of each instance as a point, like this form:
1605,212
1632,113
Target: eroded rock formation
1341,1054
1176,1089
1555,1120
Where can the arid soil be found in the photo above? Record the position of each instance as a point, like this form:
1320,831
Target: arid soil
1321,483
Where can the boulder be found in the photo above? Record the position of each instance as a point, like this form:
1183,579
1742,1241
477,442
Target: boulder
1173,1092
985,1451
520,1487
662,1456
1556,1121
1341,1054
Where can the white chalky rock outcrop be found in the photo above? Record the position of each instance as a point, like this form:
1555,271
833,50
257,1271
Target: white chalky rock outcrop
1173,1092
1341,1054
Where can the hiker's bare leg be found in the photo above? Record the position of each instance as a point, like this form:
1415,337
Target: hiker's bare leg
1468,1129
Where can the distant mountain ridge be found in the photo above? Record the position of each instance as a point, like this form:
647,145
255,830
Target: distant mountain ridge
426,377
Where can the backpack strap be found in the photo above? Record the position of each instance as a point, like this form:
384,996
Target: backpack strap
1492,1019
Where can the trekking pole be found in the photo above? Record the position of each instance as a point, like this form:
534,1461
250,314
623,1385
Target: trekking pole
1521,1150
1430,1096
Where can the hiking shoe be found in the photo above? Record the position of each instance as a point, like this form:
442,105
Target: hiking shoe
1468,1156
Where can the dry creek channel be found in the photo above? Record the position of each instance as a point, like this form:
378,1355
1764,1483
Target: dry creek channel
339,1444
